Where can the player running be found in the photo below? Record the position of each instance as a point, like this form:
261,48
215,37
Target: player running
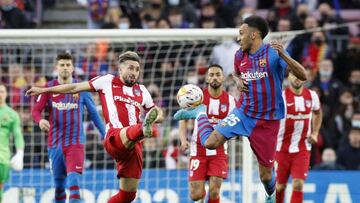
66,137
122,100
259,71
9,125
206,164
298,130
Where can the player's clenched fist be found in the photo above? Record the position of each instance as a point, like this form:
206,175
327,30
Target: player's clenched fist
33,91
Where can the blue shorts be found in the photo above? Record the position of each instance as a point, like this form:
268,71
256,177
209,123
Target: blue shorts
262,134
66,160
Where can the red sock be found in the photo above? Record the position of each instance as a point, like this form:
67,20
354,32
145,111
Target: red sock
214,200
134,132
297,197
280,196
122,197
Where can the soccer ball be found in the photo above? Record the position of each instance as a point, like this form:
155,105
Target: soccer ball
189,96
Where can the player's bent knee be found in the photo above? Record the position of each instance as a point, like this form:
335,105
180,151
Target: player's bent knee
197,195
298,184
280,187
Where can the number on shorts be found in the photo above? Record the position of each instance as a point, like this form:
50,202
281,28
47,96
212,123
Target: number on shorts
194,164
231,120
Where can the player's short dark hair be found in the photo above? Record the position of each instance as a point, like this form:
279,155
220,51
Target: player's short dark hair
64,56
129,56
259,23
215,66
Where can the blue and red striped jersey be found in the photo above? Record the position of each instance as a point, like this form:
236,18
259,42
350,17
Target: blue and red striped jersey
264,70
66,116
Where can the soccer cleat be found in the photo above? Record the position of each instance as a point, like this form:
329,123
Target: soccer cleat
185,114
271,198
149,120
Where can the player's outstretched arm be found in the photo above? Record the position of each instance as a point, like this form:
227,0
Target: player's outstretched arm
296,68
62,89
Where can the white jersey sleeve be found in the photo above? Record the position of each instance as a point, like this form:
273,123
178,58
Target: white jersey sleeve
315,101
100,82
147,102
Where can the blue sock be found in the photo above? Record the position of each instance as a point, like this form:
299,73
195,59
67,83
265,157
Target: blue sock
73,180
270,186
60,195
204,128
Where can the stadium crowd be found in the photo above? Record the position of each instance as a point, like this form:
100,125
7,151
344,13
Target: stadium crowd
330,57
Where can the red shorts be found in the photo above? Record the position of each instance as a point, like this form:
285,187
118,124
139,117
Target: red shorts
263,140
294,164
202,167
128,162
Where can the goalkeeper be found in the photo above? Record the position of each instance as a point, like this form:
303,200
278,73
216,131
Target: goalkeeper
9,125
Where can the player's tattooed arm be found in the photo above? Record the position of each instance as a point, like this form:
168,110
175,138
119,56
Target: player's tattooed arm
295,67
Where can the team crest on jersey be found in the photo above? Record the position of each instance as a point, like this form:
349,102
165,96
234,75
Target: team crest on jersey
263,62
137,92
223,108
308,103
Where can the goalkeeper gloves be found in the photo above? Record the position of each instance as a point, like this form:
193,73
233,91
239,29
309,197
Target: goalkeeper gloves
17,162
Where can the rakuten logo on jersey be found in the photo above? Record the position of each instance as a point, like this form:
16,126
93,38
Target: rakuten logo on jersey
64,106
253,76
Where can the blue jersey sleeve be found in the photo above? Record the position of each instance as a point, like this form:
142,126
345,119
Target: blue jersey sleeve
94,115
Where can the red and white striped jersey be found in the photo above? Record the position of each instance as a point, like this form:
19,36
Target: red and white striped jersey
121,104
217,109
296,126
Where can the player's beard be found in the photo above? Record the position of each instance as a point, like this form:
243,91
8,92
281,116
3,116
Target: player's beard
215,85
65,75
129,81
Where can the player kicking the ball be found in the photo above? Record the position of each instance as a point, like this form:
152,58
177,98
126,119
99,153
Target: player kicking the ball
259,69
122,100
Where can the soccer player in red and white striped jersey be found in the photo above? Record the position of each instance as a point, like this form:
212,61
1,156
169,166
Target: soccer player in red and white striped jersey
298,130
209,164
122,100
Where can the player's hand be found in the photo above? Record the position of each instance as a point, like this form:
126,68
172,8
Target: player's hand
44,125
242,85
184,145
313,138
17,162
278,47
33,91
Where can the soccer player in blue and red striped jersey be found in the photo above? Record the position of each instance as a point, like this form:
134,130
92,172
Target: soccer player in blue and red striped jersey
259,70
66,137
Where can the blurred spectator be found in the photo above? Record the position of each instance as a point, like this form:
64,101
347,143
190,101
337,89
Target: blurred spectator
209,18
328,161
272,19
349,154
354,83
223,54
244,12
176,18
310,3
152,157
316,51
163,23
97,10
93,61
148,22
297,45
11,16
329,17
155,93
299,17
282,7
171,152
348,59
328,85
283,25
